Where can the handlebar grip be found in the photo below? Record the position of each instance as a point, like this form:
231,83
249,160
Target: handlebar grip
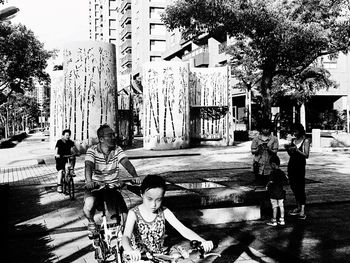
195,244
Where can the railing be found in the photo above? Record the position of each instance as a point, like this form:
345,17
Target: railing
126,30
126,58
126,44
195,52
124,3
126,71
125,17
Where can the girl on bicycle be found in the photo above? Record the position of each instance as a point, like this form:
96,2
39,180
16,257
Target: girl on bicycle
145,224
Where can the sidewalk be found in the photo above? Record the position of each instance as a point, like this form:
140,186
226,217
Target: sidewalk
47,227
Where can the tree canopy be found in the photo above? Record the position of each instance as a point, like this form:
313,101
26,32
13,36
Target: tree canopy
23,60
276,43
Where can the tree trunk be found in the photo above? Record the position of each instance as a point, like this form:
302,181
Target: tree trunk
265,89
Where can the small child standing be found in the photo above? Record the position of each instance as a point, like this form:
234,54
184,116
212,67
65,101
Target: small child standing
145,225
275,189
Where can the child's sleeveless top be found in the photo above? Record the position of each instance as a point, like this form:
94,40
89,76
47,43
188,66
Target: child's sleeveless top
149,236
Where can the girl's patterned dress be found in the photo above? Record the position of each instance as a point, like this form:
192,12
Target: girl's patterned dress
149,236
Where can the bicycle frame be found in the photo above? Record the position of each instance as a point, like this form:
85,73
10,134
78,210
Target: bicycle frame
110,234
67,178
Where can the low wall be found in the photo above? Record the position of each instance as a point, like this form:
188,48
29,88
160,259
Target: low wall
329,138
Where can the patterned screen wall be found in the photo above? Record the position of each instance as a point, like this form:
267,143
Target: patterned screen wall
87,97
166,105
209,87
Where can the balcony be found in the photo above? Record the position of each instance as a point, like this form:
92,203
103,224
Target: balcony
202,59
125,17
125,31
124,4
126,59
126,71
125,45
195,52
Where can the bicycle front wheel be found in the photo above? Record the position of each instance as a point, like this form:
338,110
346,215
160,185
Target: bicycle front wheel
71,188
64,184
118,254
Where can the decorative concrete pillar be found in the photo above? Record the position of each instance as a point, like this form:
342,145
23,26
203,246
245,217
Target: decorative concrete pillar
57,80
316,140
209,95
87,97
303,115
166,105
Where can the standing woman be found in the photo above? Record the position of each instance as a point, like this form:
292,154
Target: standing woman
298,151
263,147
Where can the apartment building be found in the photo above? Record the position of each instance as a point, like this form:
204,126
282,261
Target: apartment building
148,33
134,26
104,23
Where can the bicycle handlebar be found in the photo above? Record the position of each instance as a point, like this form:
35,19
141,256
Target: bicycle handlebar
68,156
101,186
183,253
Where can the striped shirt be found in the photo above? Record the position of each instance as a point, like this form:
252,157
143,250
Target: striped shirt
106,170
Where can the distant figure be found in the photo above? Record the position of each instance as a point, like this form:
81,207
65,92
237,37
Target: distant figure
263,147
276,192
298,150
64,147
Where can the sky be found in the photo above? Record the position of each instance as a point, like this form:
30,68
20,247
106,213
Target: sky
54,22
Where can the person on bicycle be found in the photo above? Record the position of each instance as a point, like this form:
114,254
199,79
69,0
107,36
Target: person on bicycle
145,225
102,167
63,147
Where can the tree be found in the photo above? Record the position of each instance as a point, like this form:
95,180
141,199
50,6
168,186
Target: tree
276,42
23,60
17,113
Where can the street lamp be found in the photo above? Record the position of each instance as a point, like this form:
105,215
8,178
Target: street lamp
8,13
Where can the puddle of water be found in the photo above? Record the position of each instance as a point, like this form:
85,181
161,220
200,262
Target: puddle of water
200,185
219,179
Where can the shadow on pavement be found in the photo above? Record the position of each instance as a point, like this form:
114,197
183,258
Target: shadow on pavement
27,242
28,239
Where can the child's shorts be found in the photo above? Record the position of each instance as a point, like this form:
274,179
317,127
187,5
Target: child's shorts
276,203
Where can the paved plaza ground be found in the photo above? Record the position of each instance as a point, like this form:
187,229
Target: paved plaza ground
44,226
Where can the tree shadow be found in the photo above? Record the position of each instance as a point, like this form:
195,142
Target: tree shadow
29,240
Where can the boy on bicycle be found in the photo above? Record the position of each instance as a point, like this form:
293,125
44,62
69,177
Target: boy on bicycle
63,147
102,167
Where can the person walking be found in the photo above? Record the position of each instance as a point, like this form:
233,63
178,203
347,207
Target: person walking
263,147
298,150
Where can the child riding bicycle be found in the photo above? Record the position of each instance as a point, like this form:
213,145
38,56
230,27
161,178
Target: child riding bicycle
102,167
145,225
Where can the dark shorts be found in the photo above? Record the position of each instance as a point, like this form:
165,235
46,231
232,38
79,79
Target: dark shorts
113,196
60,163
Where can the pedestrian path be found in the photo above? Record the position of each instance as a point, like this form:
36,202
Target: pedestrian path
48,227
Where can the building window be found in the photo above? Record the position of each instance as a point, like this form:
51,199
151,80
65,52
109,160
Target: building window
112,23
113,41
157,29
113,13
155,58
157,45
112,32
154,12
